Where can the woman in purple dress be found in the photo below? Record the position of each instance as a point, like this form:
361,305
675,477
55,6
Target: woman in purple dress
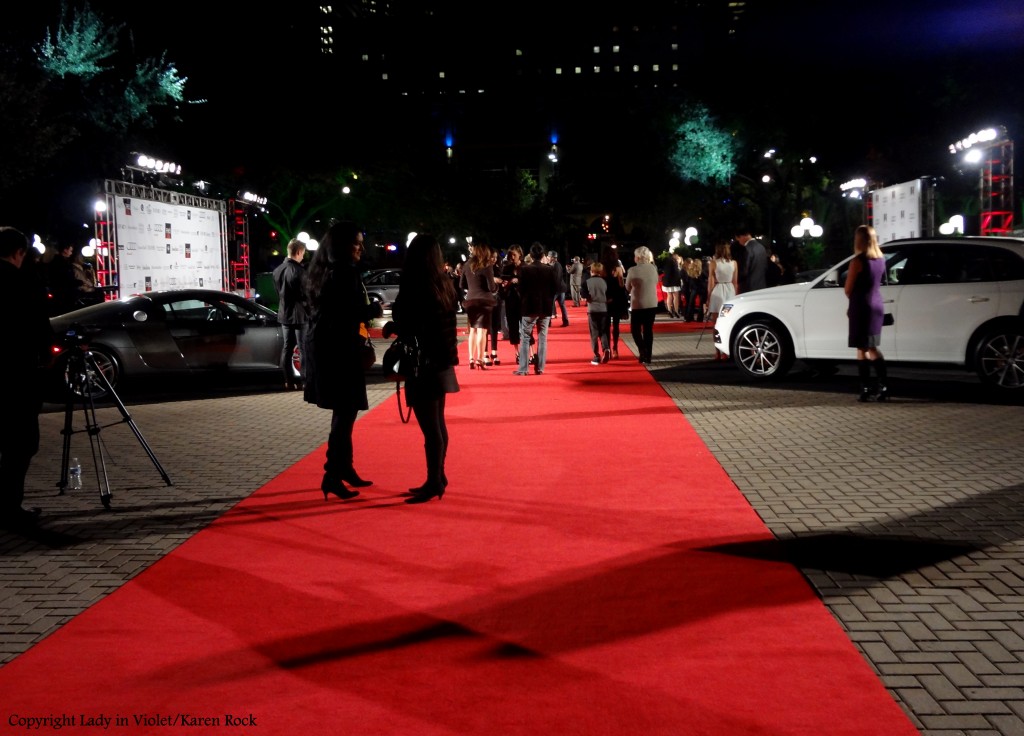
863,289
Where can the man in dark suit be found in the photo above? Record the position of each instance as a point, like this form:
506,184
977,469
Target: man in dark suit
753,262
292,307
538,284
28,338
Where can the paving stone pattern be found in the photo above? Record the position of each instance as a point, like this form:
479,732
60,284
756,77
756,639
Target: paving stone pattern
905,517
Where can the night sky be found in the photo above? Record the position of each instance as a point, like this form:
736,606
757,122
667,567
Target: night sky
859,79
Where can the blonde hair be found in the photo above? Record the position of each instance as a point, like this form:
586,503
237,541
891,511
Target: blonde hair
596,268
643,255
865,240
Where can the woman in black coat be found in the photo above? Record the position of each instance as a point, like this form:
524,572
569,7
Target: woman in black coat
332,354
424,313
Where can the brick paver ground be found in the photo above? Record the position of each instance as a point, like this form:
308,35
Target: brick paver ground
906,517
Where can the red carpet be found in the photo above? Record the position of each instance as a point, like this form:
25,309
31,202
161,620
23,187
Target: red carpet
565,584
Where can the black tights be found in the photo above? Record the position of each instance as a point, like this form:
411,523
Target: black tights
430,416
339,445
614,331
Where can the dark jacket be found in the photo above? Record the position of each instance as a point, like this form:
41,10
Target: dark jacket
538,285
755,274
290,280
64,285
28,336
420,318
673,274
332,355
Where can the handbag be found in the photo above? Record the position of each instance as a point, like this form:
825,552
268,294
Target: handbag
367,354
401,362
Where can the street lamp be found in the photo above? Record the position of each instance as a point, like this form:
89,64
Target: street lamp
955,225
807,228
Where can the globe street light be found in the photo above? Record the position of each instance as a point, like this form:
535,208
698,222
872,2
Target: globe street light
807,228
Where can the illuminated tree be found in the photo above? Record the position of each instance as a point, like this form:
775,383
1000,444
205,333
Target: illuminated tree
703,153
73,106
84,49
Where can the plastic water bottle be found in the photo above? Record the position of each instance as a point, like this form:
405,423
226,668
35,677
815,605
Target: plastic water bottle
75,474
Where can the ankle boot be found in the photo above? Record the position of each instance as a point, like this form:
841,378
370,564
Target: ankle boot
864,371
880,371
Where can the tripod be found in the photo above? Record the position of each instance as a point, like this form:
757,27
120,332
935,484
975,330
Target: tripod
82,375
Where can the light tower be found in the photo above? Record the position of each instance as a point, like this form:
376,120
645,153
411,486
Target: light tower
993,149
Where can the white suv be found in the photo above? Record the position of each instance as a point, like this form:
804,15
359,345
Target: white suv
954,301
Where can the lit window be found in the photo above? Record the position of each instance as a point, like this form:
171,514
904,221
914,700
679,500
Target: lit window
441,75
675,47
558,70
615,68
579,70
519,52
656,68
384,76
675,67
597,49
366,57
636,67
597,70
615,49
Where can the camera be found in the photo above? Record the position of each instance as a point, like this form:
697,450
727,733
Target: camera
76,336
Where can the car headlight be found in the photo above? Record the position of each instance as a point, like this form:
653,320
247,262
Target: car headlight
726,308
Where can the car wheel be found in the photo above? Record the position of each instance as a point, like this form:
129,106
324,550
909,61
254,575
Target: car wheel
761,349
999,360
83,380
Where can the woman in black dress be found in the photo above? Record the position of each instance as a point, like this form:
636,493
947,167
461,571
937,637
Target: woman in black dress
481,285
424,313
332,351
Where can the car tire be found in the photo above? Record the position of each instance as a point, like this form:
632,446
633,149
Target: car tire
106,363
999,358
761,349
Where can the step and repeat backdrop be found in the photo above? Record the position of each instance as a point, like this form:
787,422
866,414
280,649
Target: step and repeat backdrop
165,240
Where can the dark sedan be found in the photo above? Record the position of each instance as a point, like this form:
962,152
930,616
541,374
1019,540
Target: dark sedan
180,332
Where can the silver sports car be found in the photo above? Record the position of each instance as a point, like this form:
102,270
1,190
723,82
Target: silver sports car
180,332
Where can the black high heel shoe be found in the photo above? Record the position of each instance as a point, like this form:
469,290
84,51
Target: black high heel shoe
355,481
424,493
337,489
883,393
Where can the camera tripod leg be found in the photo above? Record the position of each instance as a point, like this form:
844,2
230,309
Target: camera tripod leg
127,418
83,372
65,458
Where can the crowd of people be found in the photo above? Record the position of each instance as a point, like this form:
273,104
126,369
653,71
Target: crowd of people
325,312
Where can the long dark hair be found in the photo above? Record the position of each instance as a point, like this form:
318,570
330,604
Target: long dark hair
333,248
423,273
610,260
